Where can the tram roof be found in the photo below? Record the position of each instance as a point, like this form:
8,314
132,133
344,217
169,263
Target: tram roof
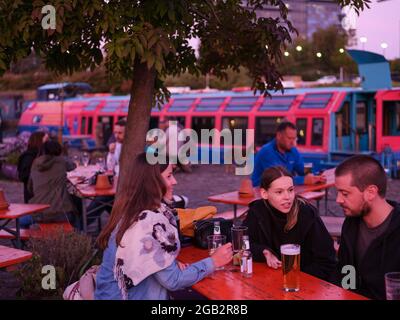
226,93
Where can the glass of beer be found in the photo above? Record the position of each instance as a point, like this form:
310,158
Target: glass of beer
308,168
291,267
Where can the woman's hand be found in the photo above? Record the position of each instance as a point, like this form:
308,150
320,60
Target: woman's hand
222,255
182,266
272,260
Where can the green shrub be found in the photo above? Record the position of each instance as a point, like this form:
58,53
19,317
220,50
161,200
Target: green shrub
67,252
12,158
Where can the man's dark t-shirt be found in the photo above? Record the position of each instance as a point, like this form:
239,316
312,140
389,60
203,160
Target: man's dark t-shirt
367,235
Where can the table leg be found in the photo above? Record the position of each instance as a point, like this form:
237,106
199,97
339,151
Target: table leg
326,202
18,236
84,215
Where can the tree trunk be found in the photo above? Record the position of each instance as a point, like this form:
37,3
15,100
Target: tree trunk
140,105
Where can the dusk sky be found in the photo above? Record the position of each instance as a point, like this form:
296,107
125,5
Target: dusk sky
380,23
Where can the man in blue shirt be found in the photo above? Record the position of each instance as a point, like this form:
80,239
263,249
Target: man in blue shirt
282,151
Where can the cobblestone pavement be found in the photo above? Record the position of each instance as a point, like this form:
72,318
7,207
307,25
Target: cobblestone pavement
204,181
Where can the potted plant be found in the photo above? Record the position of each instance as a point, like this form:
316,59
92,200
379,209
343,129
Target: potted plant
9,155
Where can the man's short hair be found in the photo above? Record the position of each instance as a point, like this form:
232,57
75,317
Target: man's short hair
121,122
286,124
365,171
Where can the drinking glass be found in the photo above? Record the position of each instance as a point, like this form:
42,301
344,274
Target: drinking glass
308,168
214,242
85,159
392,285
101,163
77,160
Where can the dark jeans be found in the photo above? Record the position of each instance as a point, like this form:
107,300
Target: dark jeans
97,207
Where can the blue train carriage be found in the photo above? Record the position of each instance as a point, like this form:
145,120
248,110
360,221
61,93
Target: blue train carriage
333,123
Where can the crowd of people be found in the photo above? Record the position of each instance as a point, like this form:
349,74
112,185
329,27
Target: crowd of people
141,239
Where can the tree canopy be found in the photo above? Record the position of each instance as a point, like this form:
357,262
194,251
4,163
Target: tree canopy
147,40
156,33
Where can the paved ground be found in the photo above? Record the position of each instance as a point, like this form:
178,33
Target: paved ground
204,181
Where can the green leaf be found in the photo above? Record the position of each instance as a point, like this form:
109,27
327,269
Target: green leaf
153,41
150,61
139,48
171,15
119,51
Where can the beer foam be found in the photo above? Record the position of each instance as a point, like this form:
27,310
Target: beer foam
290,249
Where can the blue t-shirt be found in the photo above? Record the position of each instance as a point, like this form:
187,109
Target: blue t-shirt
269,156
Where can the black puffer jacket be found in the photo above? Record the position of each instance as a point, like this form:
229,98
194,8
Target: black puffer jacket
266,231
382,256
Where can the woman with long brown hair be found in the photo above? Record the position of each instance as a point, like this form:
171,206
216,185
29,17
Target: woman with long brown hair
282,217
141,242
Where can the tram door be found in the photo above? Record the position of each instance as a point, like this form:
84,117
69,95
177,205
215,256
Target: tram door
365,137
355,125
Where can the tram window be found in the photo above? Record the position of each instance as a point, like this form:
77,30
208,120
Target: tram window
153,123
391,118
232,123
266,129
37,118
83,125
108,125
181,120
199,123
362,125
90,125
301,125
317,137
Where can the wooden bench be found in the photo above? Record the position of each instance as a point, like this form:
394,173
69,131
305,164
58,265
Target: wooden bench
11,256
228,215
44,230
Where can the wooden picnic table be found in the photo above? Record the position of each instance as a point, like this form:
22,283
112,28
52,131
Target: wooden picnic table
16,211
11,256
235,199
78,178
265,283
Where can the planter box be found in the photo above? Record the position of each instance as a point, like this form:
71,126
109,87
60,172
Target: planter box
9,171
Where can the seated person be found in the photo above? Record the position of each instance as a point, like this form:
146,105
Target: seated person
282,151
370,239
281,217
48,182
141,242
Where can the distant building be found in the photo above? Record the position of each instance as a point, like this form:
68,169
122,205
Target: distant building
308,15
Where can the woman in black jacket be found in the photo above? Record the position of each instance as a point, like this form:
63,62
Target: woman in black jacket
281,217
25,160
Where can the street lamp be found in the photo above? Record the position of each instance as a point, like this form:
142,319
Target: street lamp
341,50
299,48
384,45
286,54
363,40
319,55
